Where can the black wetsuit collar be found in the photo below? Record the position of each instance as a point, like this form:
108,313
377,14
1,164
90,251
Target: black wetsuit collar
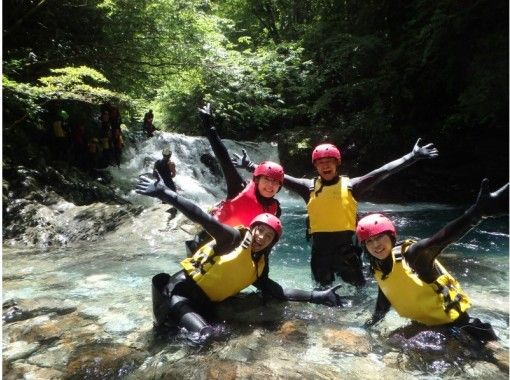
330,182
264,201
385,266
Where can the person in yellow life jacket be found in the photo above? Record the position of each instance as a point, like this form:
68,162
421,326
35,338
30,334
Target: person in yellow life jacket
331,202
245,199
411,279
236,258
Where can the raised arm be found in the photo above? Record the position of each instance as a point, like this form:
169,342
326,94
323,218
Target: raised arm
300,186
366,182
382,306
223,234
235,183
421,254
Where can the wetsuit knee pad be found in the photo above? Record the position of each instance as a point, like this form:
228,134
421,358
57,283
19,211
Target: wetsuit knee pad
182,311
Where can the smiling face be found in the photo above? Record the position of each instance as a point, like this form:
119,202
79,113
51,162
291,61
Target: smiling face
262,237
327,167
379,245
267,186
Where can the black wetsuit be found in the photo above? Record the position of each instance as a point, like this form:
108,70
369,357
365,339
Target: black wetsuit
337,252
179,299
164,171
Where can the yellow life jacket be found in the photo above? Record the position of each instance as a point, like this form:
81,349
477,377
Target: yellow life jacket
223,276
332,208
432,304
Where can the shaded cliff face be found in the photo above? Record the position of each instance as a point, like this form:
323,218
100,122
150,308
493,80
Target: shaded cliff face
453,177
55,206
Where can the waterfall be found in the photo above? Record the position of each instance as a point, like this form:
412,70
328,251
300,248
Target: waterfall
205,184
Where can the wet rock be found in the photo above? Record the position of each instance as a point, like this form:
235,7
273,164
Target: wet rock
242,349
41,306
292,330
102,362
18,350
55,357
57,206
484,370
27,371
351,340
499,354
221,370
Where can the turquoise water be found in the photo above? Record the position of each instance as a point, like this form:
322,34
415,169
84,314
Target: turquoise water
109,281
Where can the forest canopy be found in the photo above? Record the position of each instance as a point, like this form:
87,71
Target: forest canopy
369,76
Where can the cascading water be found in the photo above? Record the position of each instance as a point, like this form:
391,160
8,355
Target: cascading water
85,311
202,182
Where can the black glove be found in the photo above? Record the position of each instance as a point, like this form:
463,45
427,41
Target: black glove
327,297
426,151
150,187
243,162
491,204
205,114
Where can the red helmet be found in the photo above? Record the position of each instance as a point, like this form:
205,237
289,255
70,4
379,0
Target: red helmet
270,220
372,225
270,169
325,150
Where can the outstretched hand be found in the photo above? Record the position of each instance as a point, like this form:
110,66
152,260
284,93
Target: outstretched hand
328,297
242,162
492,204
150,187
426,151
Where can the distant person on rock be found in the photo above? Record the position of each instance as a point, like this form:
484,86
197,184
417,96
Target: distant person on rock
245,200
236,258
411,279
332,207
148,124
164,169
117,145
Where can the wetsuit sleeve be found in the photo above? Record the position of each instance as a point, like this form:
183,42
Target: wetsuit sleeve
364,183
235,183
273,289
301,186
226,237
382,307
278,209
421,255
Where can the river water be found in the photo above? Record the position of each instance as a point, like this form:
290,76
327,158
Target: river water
85,311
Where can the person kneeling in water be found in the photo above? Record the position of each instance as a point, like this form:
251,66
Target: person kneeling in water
245,200
234,260
411,279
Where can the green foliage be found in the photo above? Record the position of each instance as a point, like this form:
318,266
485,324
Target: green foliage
23,101
374,73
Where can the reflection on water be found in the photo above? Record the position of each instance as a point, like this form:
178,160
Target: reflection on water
109,285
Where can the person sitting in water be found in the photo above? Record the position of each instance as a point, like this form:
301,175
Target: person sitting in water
235,259
411,279
332,207
244,200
